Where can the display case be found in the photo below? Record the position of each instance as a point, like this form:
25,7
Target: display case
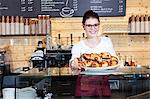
15,86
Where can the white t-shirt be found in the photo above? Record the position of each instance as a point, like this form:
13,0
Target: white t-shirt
105,45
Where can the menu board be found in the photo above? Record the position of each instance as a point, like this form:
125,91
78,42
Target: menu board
61,8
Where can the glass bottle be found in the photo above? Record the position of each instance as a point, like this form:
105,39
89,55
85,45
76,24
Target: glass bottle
142,26
132,61
129,24
126,63
3,24
137,24
146,24
27,27
7,25
120,60
132,24
12,25
17,26
21,25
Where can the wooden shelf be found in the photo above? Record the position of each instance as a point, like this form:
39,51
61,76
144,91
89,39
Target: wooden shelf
126,33
138,33
23,35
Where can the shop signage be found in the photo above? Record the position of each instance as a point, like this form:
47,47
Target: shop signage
61,8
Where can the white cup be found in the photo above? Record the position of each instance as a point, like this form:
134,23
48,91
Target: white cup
67,11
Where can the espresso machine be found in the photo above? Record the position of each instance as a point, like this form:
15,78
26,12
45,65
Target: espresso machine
37,59
58,58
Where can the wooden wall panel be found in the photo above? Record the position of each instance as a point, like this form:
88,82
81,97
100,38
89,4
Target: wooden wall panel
137,46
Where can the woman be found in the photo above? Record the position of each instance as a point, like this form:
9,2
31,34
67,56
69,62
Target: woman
91,85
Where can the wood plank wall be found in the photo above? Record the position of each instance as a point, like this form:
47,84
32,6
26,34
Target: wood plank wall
137,46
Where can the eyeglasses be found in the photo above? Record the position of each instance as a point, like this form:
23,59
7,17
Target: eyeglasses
90,26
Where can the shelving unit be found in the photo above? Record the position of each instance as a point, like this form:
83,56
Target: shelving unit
19,35
138,33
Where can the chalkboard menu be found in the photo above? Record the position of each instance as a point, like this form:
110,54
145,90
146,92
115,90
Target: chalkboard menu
61,8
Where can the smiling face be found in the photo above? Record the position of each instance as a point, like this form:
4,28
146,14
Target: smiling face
91,27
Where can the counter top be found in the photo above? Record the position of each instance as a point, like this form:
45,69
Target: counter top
57,72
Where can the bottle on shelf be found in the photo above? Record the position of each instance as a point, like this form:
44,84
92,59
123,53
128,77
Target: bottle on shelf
48,42
40,24
44,24
0,26
142,25
12,25
120,60
48,25
54,43
27,27
132,61
129,24
146,23
149,23
126,63
36,27
17,27
3,25
137,24
21,25
132,24
7,25
33,26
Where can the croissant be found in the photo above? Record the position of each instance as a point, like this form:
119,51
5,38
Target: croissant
98,58
113,62
80,63
105,55
86,56
91,56
114,58
105,63
96,64
88,63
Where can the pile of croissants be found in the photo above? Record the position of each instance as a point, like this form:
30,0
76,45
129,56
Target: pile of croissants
104,59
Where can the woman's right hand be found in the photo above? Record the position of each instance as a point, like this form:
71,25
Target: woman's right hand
74,64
